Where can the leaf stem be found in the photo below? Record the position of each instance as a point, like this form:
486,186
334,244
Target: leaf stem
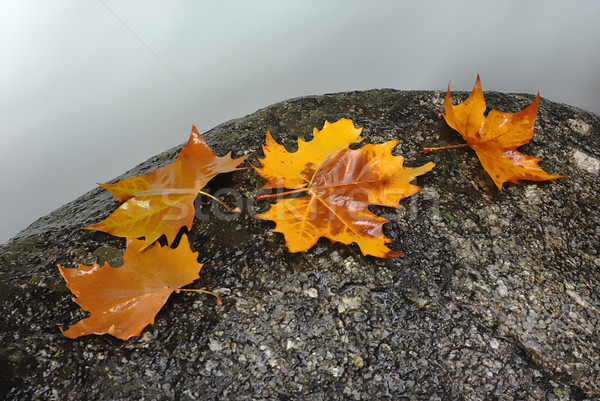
267,196
219,302
427,150
220,202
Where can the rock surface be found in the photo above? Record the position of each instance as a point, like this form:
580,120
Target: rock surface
496,297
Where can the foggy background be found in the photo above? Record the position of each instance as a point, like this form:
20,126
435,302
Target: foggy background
90,89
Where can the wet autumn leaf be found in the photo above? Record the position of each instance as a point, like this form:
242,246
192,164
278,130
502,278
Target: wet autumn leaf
495,137
123,300
162,201
338,184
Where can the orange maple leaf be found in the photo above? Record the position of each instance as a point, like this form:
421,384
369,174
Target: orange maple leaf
162,201
339,184
124,300
495,137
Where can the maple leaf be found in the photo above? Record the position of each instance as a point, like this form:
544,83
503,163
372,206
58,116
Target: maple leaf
162,201
339,184
495,137
123,300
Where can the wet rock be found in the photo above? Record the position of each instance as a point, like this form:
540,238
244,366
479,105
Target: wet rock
496,297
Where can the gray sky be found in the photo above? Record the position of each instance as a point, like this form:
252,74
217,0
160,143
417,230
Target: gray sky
90,89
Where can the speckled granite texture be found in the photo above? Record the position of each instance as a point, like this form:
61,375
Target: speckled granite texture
497,296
